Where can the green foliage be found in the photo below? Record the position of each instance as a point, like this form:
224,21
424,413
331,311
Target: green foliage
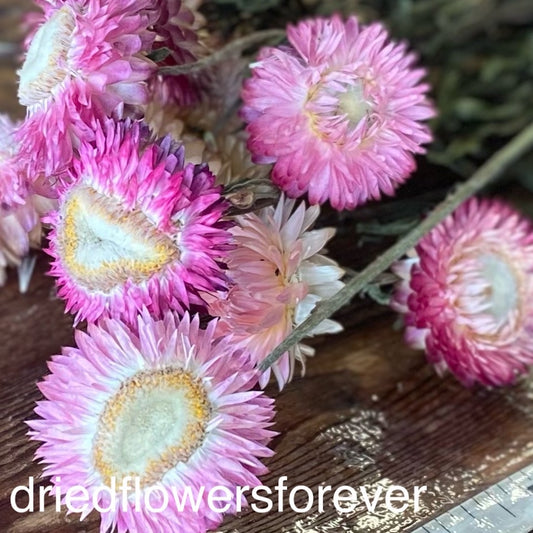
250,6
159,54
480,59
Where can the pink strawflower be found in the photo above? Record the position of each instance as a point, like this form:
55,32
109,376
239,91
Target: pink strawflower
467,294
172,406
13,186
278,276
178,30
136,228
20,210
339,112
21,231
85,60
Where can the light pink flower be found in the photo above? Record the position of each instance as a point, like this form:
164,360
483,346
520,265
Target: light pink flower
85,61
278,276
467,294
20,210
21,231
136,228
13,186
339,112
172,405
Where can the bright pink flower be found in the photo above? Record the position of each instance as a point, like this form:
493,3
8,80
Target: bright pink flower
339,112
278,276
86,60
467,294
172,406
136,228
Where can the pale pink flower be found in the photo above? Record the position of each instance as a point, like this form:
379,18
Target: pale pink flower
278,276
85,61
339,112
467,294
20,232
13,186
167,403
20,210
135,227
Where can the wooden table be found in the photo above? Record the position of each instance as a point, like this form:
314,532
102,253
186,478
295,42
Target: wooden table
368,412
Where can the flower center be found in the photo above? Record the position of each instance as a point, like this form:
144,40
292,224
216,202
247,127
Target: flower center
46,61
353,104
487,294
501,297
156,420
337,106
103,245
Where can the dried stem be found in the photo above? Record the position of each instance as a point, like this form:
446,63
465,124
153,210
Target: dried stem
236,46
487,173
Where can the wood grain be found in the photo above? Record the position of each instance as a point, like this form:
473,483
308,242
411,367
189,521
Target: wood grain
369,411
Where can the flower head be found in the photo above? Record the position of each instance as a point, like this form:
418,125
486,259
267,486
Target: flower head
233,161
278,276
20,209
20,231
136,228
86,59
169,404
13,186
467,292
166,120
339,112
178,30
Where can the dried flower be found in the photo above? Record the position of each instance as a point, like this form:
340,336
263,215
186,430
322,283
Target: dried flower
169,404
278,276
180,32
20,209
226,154
86,60
166,120
339,113
466,294
13,186
20,231
136,228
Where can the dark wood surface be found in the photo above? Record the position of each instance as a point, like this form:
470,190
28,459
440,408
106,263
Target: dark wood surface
369,411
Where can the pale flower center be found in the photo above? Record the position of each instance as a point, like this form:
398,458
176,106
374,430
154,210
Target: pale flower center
46,65
335,107
502,297
487,294
102,245
353,104
156,420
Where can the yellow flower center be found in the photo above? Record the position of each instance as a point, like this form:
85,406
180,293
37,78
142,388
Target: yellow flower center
102,245
156,420
46,64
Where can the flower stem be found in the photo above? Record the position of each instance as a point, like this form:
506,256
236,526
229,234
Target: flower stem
488,172
235,46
